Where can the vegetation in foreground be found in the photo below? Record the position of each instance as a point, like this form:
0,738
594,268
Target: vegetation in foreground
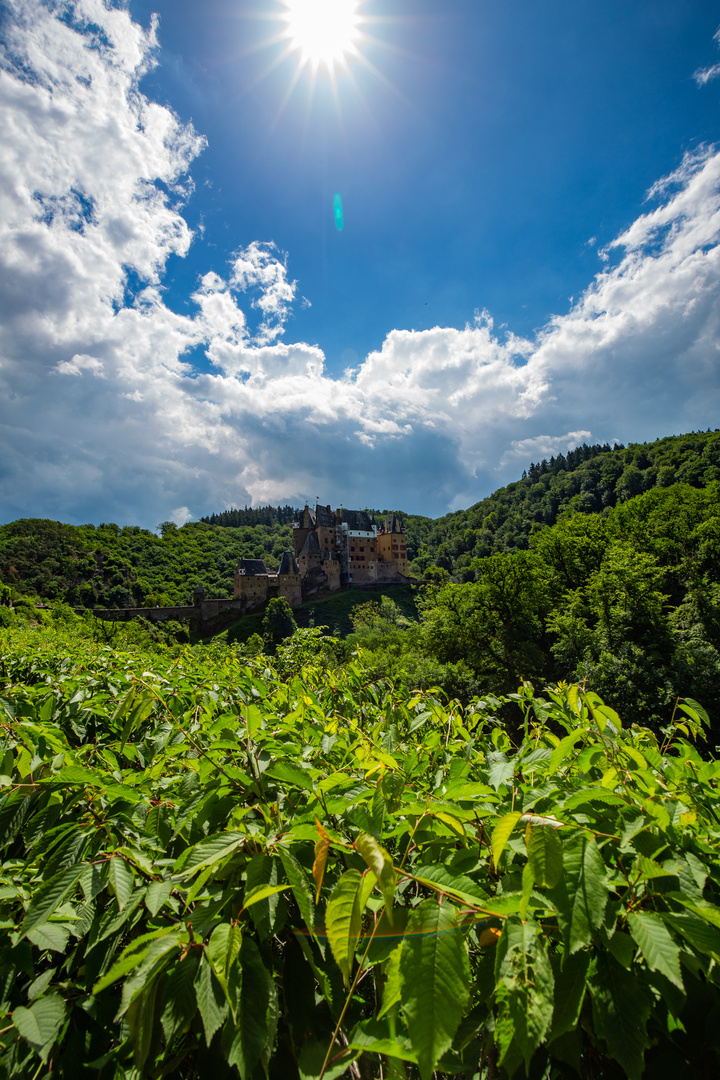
217,864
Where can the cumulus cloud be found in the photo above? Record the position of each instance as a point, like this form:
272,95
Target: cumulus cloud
543,446
106,417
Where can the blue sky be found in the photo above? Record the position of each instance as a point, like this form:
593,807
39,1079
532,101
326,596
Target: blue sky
529,256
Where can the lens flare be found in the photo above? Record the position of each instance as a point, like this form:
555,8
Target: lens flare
338,212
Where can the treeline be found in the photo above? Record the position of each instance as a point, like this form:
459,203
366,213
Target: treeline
571,460
253,515
590,479
113,566
628,601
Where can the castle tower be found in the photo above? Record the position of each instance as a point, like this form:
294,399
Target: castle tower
301,528
392,548
287,583
310,558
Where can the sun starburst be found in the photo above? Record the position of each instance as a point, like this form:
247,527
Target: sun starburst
324,32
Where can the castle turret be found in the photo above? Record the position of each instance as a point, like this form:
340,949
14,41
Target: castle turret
392,548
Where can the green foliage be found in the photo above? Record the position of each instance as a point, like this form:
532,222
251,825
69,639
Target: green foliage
588,480
223,865
278,623
110,566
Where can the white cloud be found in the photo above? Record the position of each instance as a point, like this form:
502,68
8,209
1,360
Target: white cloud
258,267
543,446
93,177
79,363
704,75
180,515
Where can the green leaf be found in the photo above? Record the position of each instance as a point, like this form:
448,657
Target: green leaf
456,885
544,849
392,786
252,1026
253,719
709,912
703,937
392,990
622,947
136,711
121,880
695,711
179,1003
263,873
581,894
132,956
261,892
657,945
312,1058
500,770
501,834
620,1013
300,886
140,1018
159,956
207,853
39,1025
524,992
378,1038
528,883
381,864
593,795
570,986
211,1000
222,949
343,919
50,936
562,750
157,895
435,980
290,773
50,896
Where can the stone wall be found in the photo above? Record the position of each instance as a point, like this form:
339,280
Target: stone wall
252,589
200,616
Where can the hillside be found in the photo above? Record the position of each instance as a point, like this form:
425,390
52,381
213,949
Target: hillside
115,566
589,479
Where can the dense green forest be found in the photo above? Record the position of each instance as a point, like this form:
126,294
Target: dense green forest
113,566
589,479
603,565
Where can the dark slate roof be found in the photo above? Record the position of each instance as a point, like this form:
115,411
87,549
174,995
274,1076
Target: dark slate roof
393,524
288,564
252,567
311,545
324,516
357,520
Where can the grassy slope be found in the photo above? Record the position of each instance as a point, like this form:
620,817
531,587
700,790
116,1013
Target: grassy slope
333,611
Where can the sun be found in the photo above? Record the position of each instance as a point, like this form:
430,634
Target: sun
325,32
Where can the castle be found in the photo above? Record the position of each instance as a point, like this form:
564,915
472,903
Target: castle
333,550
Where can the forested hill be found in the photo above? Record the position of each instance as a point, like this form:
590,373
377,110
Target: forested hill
589,479
110,565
